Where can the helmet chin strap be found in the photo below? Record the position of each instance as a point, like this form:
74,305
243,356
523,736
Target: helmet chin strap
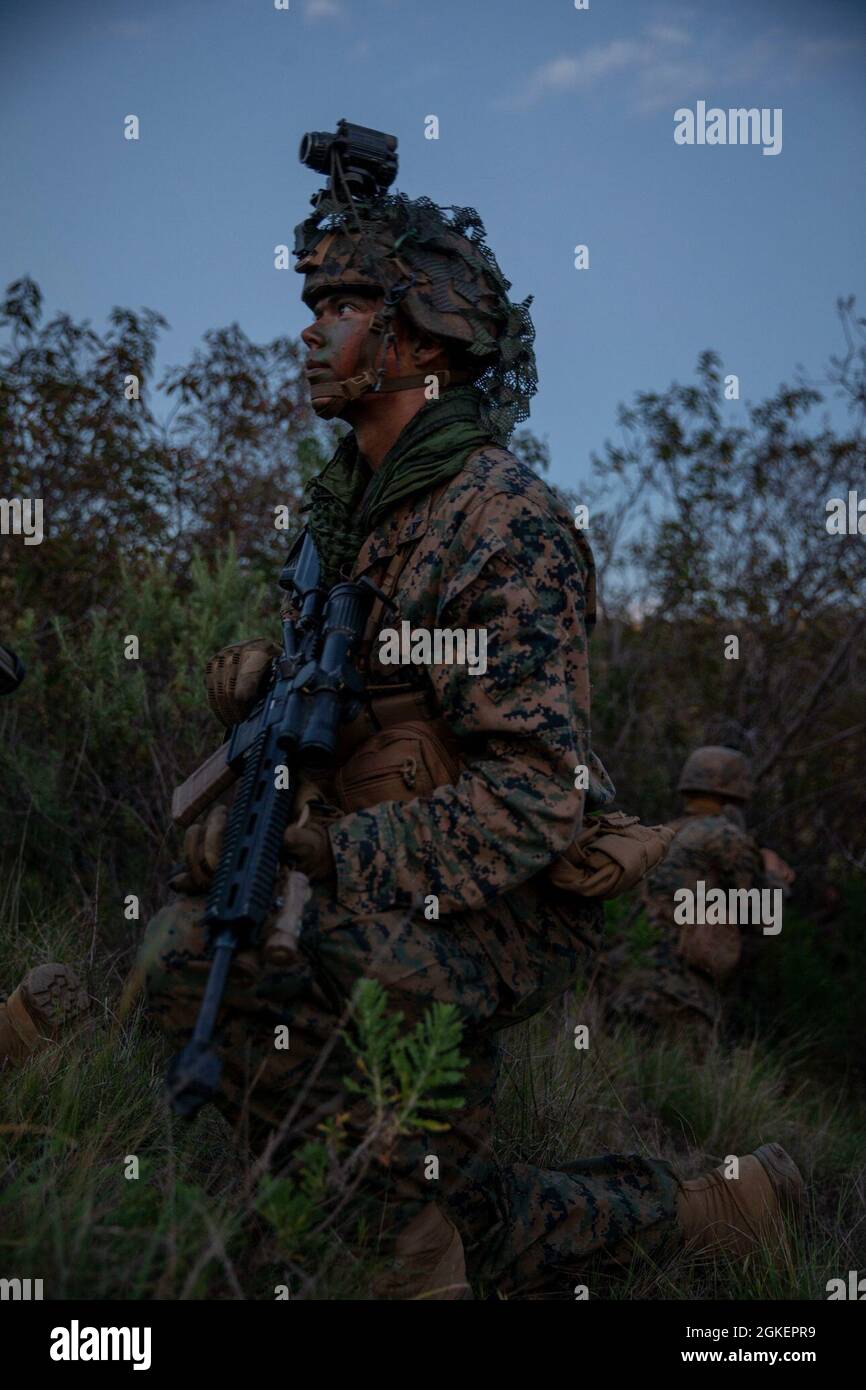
368,382
371,359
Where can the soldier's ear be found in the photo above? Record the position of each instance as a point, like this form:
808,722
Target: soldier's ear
426,350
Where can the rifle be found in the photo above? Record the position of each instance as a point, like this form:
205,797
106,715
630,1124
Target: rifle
313,688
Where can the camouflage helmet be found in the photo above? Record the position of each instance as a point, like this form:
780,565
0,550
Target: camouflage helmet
445,278
717,771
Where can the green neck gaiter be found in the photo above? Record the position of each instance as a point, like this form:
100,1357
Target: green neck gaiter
346,501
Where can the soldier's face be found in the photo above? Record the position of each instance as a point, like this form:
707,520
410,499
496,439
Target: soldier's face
334,340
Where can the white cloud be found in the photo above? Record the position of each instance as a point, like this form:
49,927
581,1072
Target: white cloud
324,9
667,65
569,74
670,81
592,66
669,33
808,55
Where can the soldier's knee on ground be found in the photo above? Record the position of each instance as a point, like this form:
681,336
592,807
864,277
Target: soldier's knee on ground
174,939
174,964
265,1013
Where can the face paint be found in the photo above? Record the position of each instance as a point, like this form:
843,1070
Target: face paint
335,340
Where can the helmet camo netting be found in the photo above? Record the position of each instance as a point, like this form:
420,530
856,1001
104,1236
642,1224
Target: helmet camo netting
457,291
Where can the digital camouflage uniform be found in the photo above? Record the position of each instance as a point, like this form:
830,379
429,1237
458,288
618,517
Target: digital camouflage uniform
490,547
492,550
662,990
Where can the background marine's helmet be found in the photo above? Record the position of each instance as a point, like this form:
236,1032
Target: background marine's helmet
717,771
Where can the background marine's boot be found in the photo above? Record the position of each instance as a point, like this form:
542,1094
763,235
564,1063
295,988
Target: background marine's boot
735,1216
48,997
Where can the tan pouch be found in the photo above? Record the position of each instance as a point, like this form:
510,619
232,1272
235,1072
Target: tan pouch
713,948
234,675
398,764
609,856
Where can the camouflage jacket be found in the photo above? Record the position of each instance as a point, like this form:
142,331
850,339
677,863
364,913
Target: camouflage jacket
648,987
713,848
491,548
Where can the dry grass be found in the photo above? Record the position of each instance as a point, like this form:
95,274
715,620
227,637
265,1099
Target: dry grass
620,1095
72,1116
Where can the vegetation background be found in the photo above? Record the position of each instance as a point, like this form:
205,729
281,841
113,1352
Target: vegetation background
160,523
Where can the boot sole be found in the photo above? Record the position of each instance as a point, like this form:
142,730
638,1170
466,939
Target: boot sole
53,995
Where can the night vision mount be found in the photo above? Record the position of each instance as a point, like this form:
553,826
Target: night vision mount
360,163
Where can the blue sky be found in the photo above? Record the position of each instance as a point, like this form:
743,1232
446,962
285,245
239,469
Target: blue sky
556,124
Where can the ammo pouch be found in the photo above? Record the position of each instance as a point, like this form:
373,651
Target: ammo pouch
413,757
398,763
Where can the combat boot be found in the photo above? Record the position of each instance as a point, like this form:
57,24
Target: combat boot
47,998
735,1216
429,1262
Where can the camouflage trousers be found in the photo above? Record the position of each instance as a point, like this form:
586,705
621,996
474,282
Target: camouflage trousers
524,1228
